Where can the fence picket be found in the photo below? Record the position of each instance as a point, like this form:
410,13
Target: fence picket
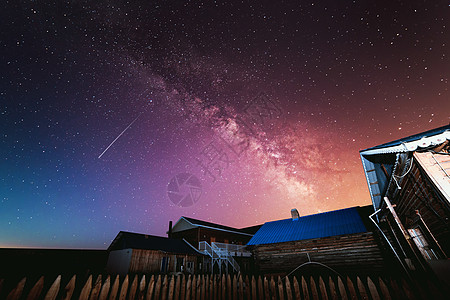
351,289
188,288
241,288
372,289
183,287
314,292
35,292
141,290
86,291
115,288
332,286
362,289
133,288
96,289
384,289
288,289
17,291
151,286
171,288
273,290
248,288
397,293
234,287
164,288
407,290
266,289
223,285
305,289
203,287
323,289
260,289
341,287
69,289
198,288
280,289
104,289
54,289
176,294
212,287
296,289
158,287
253,288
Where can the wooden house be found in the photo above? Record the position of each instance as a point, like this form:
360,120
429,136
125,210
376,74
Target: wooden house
142,253
409,183
224,246
337,241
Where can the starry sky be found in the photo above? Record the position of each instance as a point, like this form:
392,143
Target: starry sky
123,115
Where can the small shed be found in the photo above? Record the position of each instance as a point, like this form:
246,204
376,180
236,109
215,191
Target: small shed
142,253
339,241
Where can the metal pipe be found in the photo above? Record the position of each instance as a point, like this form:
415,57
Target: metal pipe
387,240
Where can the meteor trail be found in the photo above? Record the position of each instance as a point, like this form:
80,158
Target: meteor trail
100,156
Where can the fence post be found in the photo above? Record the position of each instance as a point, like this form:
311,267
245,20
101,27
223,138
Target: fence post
188,288
133,288
177,287
314,292
164,288
36,290
296,289
323,289
305,288
150,287
361,288
86,291
372,289
384,289
266,289
351,289
288,289
333,292
171,288
105,289
341,287
280,289
114,289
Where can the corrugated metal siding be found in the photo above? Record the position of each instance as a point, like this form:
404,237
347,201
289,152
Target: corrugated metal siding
333,223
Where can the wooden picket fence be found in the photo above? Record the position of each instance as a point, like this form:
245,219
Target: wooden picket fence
223,287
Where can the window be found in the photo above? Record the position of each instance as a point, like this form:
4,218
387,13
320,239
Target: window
164,264
190,267
422,244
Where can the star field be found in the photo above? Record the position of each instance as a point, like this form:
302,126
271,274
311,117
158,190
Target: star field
266,103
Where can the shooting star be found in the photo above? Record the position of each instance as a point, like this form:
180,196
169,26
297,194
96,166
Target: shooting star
100,156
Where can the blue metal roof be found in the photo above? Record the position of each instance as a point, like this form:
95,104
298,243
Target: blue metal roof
333,223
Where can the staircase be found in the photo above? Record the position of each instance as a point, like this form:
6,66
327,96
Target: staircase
221,253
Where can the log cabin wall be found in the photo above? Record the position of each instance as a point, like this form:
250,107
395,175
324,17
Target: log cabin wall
347,254
418,193
149,261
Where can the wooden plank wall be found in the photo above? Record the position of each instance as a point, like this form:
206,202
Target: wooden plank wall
149,261
417,193
354,253
228,287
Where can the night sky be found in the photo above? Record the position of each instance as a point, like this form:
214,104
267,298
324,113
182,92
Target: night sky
120,115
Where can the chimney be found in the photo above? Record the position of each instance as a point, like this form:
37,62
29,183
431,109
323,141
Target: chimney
295,215
169,234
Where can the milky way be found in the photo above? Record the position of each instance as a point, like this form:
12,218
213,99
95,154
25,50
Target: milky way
267,104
